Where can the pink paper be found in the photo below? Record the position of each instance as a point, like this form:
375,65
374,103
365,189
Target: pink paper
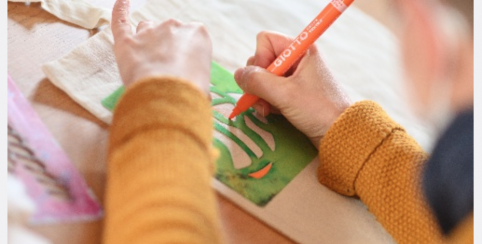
82,204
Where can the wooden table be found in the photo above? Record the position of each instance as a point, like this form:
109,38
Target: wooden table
36,37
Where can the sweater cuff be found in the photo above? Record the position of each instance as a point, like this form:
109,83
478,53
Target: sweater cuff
162,102
349,142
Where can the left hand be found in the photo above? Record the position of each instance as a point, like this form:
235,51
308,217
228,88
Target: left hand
170,48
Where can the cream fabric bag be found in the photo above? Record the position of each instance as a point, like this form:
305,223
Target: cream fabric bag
361,53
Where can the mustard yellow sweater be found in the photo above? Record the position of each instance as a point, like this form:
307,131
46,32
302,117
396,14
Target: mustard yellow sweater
366,154
160,167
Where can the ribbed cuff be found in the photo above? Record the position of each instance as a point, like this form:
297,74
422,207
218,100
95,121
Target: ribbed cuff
349,142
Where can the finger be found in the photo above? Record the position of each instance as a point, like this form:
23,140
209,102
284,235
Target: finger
311,57
269,45
120,25
196,24
171,23
210,97
250,61
145,24
259,82
262,107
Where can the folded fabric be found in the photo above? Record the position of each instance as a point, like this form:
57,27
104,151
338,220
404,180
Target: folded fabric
80,13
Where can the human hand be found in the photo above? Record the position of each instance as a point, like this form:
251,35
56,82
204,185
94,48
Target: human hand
308,96
170,48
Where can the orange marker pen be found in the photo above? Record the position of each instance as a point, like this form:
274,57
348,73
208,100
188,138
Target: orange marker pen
293,52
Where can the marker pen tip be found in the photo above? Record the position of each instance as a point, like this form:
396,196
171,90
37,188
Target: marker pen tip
236,111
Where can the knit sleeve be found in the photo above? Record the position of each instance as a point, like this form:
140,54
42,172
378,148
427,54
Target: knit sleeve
366,154
160,166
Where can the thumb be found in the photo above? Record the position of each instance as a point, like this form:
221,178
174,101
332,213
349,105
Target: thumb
261,83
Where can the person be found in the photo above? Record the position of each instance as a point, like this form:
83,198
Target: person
160,167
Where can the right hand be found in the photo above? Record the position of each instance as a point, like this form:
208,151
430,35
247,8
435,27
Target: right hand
309,96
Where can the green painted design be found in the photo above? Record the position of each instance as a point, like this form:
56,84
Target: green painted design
233,137
293,151
110,101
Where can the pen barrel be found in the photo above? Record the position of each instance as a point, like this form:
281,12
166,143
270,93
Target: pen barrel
246,101
308,36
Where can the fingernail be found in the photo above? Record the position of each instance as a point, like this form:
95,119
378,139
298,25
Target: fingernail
238,74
